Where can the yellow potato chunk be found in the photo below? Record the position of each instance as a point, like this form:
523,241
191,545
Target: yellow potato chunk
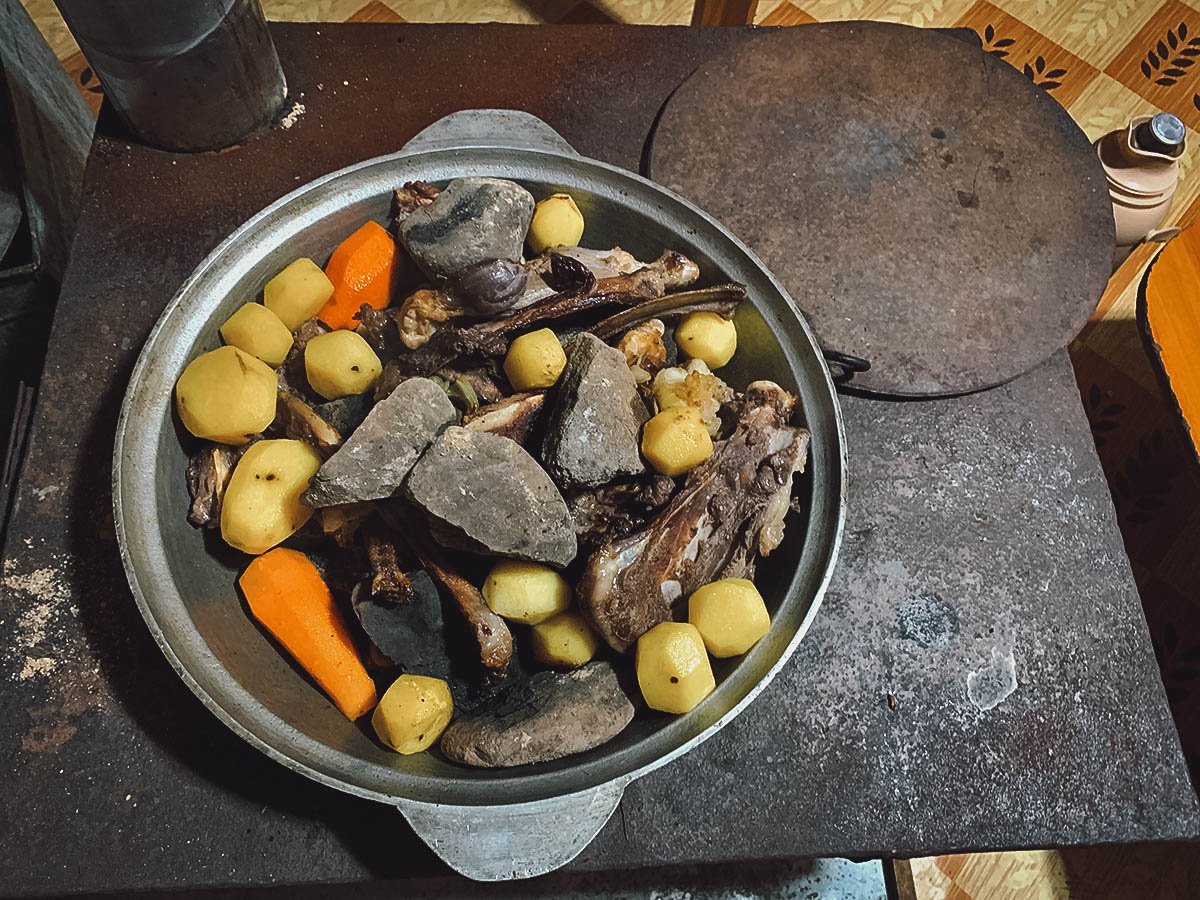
730,616
534,360
226,395
676,440
672,667
707,336
258,331
297,293
413,713
557,222
564,640
262,503
525,592
341,364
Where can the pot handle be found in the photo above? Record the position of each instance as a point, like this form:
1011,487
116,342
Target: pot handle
519,840
489,128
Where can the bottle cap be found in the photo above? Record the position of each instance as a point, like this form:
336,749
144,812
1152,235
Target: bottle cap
1167,129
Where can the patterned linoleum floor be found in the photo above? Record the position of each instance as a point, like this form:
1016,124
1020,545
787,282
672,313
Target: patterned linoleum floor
1105,61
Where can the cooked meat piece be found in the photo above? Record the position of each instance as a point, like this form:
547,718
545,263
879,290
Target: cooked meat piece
616,510
410,197
670,271
378,327
766,531
513,417
495,640
645,352
292,375
342,522
208,473
389,379
483,381
710,528
692,385
388,581
601,263
295,419
421,313
722,298
575,286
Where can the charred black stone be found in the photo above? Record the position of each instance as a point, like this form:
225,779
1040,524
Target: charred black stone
548,716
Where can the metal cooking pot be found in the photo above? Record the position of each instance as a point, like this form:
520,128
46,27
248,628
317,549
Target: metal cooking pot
487,824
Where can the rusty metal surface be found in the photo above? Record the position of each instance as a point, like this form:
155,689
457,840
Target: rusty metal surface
927,206
116,778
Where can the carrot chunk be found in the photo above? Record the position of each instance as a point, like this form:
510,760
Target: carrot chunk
289,597
362,270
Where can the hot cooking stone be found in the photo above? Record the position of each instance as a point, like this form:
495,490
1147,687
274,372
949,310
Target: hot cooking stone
485,493
375,459
592,436
473,219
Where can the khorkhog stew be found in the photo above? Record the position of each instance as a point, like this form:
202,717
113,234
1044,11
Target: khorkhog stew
479,466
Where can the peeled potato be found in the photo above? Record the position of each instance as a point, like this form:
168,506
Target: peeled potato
534,360
525,592
565,639
730,615
672,667
557,222
341,364
226,395
413,713
259,332
297,293
262,503
676,440
707,336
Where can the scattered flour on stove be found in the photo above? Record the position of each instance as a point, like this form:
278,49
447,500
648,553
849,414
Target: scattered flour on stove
37,633
35,599
293,114
42,665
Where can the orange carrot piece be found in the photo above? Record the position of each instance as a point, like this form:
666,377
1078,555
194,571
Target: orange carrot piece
363,270
289,597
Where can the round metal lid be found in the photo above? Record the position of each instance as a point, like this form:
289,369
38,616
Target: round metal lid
927,207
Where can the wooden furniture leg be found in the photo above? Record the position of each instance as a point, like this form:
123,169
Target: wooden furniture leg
724,12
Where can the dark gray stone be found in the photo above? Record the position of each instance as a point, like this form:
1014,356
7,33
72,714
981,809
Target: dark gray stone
549,716
346,413
473,219
592,436
485,493
375,459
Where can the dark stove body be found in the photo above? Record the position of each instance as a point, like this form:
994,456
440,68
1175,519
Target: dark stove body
980,675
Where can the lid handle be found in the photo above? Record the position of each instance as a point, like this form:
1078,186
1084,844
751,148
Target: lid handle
489,128
519,840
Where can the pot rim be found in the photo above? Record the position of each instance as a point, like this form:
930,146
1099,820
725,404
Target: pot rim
279,740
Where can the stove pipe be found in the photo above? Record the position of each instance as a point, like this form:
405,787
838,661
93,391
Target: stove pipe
182,74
